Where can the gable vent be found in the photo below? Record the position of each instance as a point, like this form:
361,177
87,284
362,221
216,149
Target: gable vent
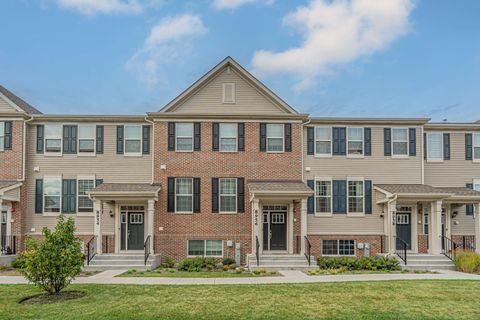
228,93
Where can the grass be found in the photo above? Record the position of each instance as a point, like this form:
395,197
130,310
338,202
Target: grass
447,299
14,272
333,272
173,273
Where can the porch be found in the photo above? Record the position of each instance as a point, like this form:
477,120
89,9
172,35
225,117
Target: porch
9,199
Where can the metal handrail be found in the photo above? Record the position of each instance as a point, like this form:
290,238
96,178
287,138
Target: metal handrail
449,247
146,248
8,244
91,249
402,252
257,247
468,243
308,248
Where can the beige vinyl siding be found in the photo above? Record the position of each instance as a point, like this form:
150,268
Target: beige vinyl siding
466,224
208,99
109,166
12,194
5,107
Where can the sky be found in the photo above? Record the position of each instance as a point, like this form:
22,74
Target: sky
345,58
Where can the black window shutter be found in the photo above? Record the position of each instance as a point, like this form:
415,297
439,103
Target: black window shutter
469,207
368,196
215,195
73,140
263,137
335,141
241,136
146,139
197,136
288,136
240,195
339,141
171,136
99,135
69,139
310,140
412,141
196,195
215,136
7,140
311,199
38,196
367,135
98,182
425,146
446,146
40,137
339,196
171,195
468,146
120,139
69,187
387,141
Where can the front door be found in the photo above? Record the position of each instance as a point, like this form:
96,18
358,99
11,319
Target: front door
404,228
135,231
278,230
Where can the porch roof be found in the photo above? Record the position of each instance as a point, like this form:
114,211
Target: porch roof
112,190
5,184
416,191
279,187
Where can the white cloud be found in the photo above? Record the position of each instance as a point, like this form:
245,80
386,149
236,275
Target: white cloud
234,4
92,7
169,42
335,33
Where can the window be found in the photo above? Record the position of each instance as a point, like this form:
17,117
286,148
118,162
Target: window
84,187
323,196
275,137
400,141
86,138
184,195
53,138
228,95
355,141
476,146
184,136
228,137
338,247
52,193
205,248
2,136
133,139
355,196
228,194
323,141
434,146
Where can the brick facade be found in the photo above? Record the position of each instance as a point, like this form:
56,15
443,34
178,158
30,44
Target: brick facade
423,243
377,243
11,161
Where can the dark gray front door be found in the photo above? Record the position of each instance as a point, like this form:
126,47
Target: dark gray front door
278,230
135,233
404,228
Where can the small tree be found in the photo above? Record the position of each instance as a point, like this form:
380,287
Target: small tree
52,263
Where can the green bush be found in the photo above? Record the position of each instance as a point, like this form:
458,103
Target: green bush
167,262
228,261
18,263
197,264
467,261
354,263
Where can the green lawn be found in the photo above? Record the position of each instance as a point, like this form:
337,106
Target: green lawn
162,273
360,300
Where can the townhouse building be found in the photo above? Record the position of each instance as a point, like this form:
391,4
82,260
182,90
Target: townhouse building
229,169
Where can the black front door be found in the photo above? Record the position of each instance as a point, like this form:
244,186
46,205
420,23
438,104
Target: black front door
135,233
278,230
404,228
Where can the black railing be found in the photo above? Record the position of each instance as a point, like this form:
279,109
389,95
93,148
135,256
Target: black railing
257,248
468,243
91,249
8,244
146,248
449,247
308,248
401,249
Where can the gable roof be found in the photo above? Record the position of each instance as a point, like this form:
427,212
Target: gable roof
18,102
228,62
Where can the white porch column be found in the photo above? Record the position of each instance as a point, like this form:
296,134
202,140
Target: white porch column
391,226
434,238
303,225
97,226
477,227
257,224
151,211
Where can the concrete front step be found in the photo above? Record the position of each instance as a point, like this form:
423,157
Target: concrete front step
102,262
280,262
428,262
119,257
116,267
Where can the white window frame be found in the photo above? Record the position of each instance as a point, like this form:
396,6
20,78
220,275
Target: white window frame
183,194
429,158
227,137
190,137
227,195
204,248
79,178
355,214
402,141
53,153
316,139
130,154
87,153
224,88
51,214
323,214
283,138
2,135
338,248
362,155
474,142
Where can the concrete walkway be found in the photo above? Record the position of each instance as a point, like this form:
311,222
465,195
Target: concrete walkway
109,277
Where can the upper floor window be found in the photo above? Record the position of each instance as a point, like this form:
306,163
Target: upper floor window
476,146
228,93
228,195
275,137
133,139
52,193
323,141
184,195
53,138
86,138
400,141
85,185
323,196
355,141
355,196
2,136
434,146
184,136
228,137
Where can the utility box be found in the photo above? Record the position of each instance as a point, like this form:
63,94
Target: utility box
238,254
366,250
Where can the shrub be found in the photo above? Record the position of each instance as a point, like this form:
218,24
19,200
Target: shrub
167,262
228,261
354,263
18,263
54,262
197,264
467,261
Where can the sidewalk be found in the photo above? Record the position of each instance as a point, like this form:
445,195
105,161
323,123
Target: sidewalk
108,277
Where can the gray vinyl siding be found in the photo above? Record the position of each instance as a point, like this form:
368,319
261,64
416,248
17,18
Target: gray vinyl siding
5,107
466,225
108,166
208,99
14,194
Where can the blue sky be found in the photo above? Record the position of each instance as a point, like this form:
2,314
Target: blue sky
403,58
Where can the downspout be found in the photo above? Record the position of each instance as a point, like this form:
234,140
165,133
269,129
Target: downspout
423,155
302,145
152,146
24,151
390,223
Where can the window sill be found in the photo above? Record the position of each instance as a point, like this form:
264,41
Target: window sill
400,157
236,151
355,156
228,213
324,215
275,152
323,156
434,161
355,215
184,151
53,154
183,213
85,214
51,214
86,154
132,155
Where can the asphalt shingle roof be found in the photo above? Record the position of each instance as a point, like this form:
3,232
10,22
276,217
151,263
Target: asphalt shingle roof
278,186
127,187
426,189
22,104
